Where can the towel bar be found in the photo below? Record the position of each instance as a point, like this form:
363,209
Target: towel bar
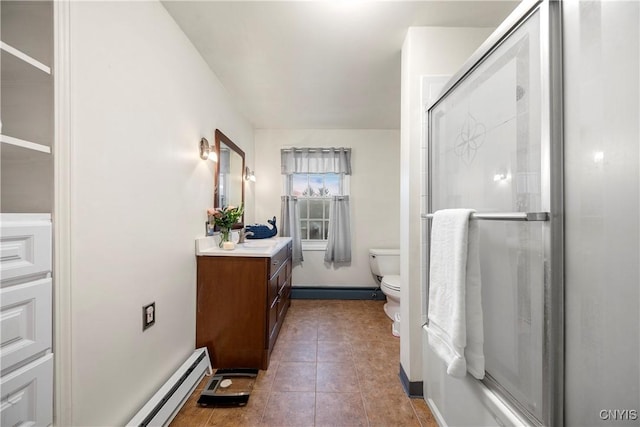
506,216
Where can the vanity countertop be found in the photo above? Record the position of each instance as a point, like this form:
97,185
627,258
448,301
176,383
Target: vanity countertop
265,248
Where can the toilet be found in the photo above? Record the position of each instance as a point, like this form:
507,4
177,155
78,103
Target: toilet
385,266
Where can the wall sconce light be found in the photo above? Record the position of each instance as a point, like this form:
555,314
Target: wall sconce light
598,157
207,151
500,176
249,175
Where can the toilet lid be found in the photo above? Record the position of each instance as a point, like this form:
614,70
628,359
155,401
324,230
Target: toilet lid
392,282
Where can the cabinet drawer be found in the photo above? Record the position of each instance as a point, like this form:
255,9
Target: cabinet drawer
278,260
25,321
273,317
277,282
25,246
283,301
272,292
284,275
27,394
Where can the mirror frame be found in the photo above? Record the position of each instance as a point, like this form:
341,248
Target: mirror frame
222,138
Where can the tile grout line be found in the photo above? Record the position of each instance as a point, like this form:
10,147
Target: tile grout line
315,392
266,405
413,408
364,406
206,422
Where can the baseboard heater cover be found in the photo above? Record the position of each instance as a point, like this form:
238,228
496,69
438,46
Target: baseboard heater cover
167,401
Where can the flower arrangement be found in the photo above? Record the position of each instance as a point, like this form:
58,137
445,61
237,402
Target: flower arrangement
225,218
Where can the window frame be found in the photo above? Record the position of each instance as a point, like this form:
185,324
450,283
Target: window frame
316,244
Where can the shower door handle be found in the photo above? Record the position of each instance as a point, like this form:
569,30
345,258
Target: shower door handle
504,216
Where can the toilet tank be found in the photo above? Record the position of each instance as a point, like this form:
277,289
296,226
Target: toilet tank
384,261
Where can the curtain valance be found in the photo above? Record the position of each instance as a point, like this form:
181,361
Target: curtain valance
316,160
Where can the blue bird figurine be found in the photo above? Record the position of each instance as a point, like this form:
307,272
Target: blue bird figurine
261,231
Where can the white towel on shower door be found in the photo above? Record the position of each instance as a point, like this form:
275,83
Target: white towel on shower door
455,330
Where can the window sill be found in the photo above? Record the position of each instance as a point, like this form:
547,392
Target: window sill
308,245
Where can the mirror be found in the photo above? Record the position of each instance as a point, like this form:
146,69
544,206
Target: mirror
229,176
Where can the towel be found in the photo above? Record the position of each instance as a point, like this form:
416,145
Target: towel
455,331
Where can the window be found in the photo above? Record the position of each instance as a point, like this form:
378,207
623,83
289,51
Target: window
316,187
314,192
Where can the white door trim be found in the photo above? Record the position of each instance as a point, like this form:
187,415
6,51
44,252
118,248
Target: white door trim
62,157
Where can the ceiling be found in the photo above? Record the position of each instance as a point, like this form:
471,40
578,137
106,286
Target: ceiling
318,64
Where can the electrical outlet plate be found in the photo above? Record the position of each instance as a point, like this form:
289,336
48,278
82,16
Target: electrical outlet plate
148,315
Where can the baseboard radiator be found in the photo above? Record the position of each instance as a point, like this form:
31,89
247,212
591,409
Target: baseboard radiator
165,404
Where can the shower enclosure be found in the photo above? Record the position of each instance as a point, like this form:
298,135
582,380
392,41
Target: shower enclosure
505,139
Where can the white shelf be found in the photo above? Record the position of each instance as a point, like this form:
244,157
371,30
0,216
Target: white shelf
26,58
5,139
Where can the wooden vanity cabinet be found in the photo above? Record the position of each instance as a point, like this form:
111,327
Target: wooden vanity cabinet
241,305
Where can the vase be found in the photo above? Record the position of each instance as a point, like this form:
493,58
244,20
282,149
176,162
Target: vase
225,235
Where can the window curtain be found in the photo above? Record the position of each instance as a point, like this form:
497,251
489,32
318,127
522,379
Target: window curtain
339,239
290,226
316,160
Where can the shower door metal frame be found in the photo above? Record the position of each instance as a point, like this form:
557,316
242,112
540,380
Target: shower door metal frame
551,191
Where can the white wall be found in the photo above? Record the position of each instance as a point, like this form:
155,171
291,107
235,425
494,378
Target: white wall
426,51
374,196
602,211
141,99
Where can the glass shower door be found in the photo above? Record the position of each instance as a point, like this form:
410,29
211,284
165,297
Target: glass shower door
489,141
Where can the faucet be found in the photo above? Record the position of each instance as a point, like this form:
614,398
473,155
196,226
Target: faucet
243,234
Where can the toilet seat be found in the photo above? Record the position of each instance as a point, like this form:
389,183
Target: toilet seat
391,282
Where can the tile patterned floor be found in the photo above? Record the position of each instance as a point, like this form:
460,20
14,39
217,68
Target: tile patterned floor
335,364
